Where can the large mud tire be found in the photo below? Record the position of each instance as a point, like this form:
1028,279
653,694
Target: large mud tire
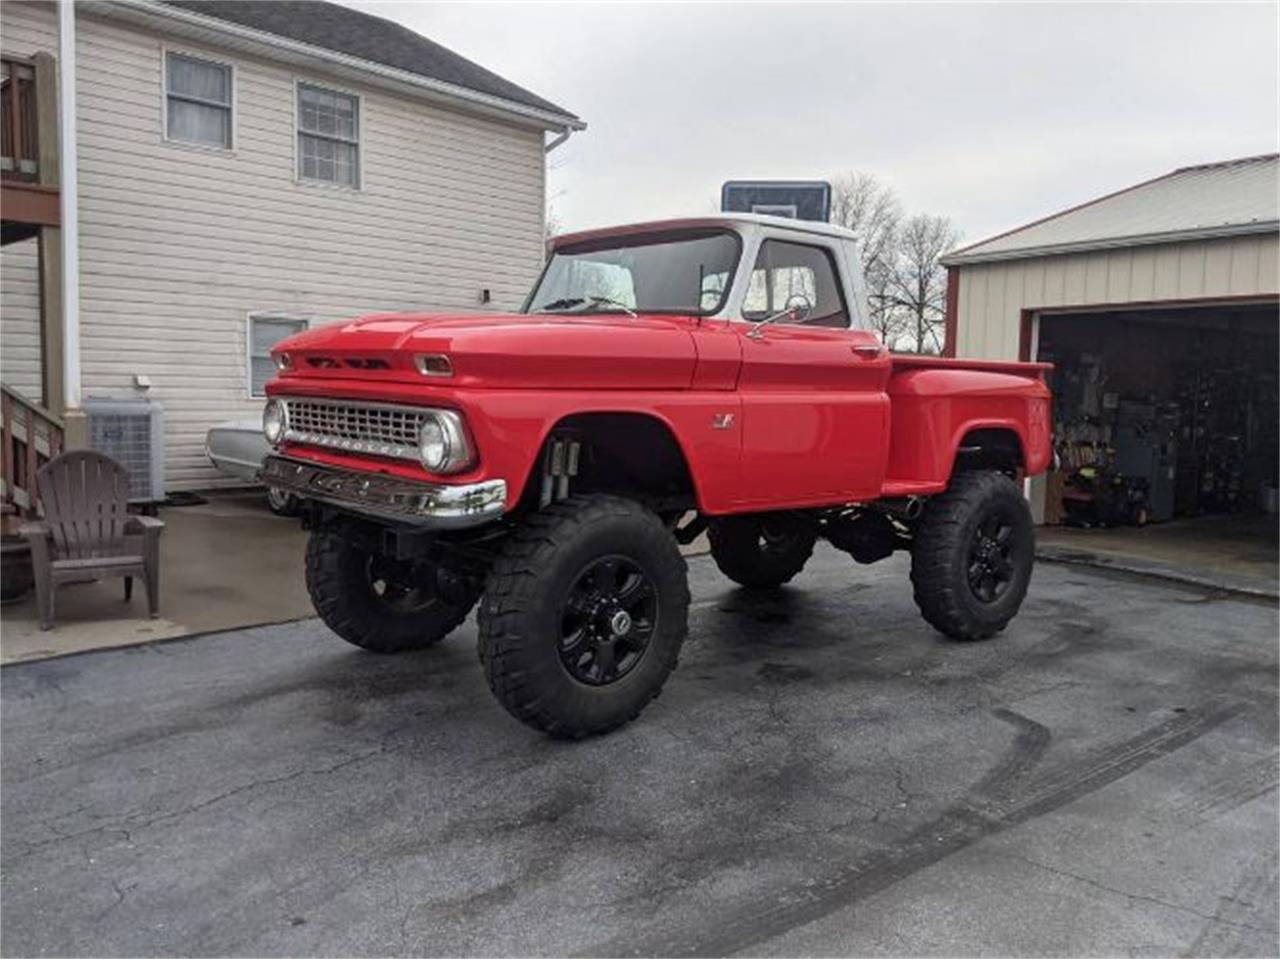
556,652
761,550
377,605
971,557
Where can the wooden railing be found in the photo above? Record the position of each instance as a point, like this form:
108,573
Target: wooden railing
31,437
19,137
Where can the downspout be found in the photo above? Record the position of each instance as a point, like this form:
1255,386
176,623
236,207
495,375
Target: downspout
67,165
567,132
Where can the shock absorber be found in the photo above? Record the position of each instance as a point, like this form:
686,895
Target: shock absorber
559,464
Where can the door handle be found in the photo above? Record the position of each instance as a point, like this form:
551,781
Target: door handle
870,351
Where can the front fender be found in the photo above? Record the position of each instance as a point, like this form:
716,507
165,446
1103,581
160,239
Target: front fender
695,422
509,427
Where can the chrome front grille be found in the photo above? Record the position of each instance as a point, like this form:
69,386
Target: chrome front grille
386,431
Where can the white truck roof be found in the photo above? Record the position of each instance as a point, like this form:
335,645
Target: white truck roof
754,228
730,220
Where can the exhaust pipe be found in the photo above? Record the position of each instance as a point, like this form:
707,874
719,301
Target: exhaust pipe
903,508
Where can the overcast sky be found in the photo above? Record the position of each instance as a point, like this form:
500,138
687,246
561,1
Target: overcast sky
990,114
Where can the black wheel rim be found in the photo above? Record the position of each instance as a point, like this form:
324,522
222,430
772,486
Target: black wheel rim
775,538
992,558
607,621
398,586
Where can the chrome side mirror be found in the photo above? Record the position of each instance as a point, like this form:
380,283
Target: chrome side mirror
797,310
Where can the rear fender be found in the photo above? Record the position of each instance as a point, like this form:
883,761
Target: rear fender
935,410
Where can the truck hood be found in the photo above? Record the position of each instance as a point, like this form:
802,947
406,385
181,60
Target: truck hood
546,351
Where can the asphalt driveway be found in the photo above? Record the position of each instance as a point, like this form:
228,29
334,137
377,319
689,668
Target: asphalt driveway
822,775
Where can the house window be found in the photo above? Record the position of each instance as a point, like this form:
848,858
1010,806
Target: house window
197,101
265,331
328,136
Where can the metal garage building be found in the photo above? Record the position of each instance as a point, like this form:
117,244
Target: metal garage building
1158,305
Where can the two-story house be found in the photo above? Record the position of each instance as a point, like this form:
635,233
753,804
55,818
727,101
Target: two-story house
187,182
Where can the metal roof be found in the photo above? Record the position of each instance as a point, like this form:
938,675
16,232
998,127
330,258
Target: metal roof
1210,200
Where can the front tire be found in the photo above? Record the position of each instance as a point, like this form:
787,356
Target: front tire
972,554
761,550
584,614
379,604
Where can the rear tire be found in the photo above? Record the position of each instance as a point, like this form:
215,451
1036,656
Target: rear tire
381,605
971,557
761,550
584,614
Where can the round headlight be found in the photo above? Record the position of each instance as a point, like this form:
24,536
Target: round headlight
433,444
275,420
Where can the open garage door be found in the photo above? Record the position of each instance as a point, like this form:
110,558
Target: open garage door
1166,426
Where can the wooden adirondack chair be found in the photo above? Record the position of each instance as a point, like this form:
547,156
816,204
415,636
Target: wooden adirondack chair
87,530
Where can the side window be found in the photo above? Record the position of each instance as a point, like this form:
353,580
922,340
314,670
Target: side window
785,269
265,331
197,101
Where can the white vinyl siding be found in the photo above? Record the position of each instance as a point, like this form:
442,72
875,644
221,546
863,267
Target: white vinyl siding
20,317
328,136
265,331
198,101
179,246
29,28
993,295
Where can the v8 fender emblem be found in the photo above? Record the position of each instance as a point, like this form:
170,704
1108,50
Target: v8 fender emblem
722,421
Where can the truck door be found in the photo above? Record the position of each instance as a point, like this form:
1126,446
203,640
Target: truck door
814,404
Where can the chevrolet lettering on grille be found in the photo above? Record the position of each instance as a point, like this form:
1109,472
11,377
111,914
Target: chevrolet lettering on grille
381,430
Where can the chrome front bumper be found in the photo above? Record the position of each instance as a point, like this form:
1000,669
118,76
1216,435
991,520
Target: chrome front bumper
438,505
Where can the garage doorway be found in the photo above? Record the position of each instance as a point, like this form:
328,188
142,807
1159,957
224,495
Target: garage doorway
1166,426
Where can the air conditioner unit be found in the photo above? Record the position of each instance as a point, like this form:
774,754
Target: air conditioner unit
131,432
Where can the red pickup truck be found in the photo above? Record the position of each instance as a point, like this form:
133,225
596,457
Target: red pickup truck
662,379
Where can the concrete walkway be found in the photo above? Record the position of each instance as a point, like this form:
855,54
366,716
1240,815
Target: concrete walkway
226,563
1239,552
823,775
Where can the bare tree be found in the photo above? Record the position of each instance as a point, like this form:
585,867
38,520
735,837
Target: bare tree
552,225
918,282
862,204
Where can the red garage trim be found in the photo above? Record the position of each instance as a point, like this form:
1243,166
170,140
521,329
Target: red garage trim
1028,316
1025,326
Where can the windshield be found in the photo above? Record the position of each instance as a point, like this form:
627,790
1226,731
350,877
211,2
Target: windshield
687,272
